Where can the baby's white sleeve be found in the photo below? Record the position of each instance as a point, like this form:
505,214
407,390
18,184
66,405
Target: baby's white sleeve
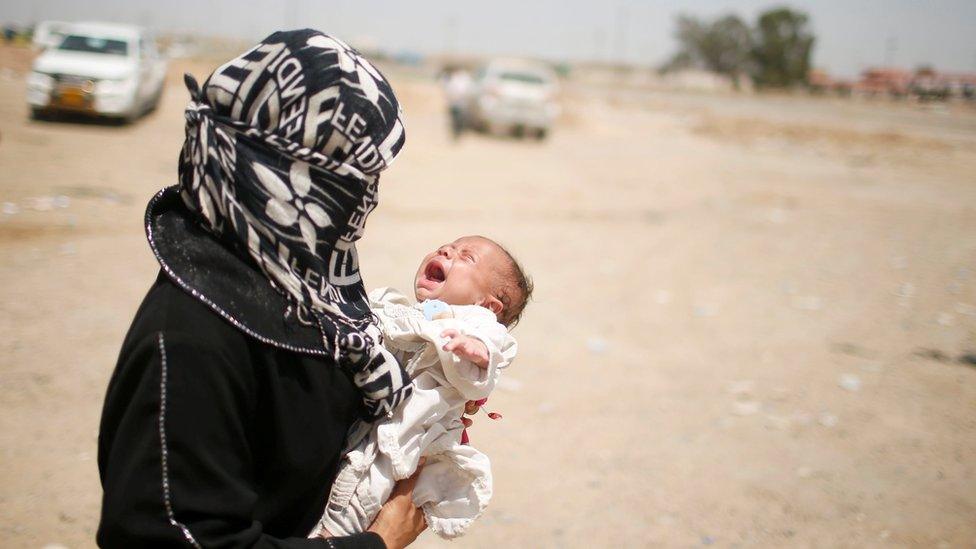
471,381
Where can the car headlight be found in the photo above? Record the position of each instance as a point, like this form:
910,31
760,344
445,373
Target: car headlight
118,86
40,80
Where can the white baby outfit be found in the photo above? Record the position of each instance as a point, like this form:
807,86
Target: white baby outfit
455,484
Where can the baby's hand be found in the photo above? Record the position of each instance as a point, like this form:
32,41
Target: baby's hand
469,348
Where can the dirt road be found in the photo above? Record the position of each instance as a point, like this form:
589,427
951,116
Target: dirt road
750,325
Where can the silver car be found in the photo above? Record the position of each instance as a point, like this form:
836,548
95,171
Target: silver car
513,97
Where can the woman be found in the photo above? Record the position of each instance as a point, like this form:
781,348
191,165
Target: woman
249,359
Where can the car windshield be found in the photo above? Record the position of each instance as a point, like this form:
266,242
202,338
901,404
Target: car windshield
91,44
524,77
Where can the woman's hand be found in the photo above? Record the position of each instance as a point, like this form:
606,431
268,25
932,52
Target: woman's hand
399,522
471,407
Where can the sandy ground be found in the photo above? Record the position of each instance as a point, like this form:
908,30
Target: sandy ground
750,323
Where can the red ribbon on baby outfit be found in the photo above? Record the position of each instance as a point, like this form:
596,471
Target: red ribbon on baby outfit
492,415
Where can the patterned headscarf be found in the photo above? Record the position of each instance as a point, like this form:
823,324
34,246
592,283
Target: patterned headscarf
284,146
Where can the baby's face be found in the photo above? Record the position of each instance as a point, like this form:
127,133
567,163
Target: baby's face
461,273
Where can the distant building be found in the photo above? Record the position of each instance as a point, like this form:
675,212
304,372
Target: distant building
884,81
958,85
820,81
925,83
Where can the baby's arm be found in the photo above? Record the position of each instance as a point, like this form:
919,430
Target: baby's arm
469,348
472,331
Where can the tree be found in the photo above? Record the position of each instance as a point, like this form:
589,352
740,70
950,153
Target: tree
783,44
722,45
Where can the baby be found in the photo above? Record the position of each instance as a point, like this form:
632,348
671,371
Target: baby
453,343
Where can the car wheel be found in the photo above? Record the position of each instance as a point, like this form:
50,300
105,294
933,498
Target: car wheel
130,117
154,103
36,114
477,125
541,134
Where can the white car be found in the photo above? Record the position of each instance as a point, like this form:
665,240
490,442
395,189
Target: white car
98,68
514,96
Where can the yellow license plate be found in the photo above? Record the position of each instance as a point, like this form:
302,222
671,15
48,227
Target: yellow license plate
75,98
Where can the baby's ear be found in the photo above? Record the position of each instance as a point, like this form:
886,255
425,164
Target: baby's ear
493,304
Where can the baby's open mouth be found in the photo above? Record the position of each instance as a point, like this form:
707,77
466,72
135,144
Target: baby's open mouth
432,277
434,272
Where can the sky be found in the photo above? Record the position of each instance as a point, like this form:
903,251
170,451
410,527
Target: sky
851,34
